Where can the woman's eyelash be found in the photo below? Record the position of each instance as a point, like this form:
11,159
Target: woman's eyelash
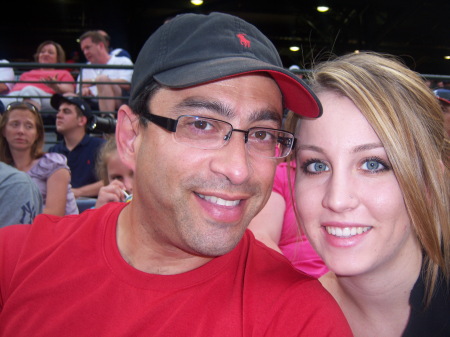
386,166
308,162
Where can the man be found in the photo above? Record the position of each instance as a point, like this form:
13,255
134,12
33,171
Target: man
20,198
201,134
112,83
80,149
114,51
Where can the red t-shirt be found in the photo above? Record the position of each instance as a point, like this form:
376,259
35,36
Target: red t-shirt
66,277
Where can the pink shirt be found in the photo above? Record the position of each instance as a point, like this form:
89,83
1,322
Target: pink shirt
39,75
294,244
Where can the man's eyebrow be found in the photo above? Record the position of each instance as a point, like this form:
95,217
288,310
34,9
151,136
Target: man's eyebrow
224,111
201,103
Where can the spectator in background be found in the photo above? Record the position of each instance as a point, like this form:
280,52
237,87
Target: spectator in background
80,148
48,80
20,198
114,51
116,176
444,100
6,74
115,83
21,142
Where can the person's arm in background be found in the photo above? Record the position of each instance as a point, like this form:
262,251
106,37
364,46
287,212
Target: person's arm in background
267,224
61,88
57,185
110,193
90,190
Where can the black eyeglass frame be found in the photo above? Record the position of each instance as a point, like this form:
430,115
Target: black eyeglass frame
170,124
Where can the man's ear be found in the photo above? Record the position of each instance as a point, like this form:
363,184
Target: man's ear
82,120
127,132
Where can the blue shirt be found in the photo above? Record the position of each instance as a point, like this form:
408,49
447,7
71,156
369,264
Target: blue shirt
81,159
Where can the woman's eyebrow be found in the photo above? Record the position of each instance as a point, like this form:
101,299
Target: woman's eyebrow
309,147
365,147
356,149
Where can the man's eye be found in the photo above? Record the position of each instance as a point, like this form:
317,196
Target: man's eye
263,135
202,125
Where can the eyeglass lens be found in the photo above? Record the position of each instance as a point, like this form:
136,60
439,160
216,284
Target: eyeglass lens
207,133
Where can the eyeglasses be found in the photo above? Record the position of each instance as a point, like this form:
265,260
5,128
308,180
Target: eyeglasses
22,105
210,133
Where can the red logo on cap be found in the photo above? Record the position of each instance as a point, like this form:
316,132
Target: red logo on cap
244,41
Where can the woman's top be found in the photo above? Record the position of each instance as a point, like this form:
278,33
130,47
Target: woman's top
40,74
433,320
43,169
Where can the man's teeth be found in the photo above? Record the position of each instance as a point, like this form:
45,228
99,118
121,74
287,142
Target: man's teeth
219,201
346,231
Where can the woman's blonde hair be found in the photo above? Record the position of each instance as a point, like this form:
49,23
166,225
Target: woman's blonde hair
407,118
36,148
106,151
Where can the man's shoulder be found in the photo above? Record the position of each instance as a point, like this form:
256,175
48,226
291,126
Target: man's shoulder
8,172
274,267
120,60
58,147
276,291
92,141
52,230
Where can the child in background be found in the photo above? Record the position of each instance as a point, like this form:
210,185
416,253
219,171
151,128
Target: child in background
117,178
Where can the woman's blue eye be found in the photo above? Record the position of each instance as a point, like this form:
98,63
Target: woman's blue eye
373,165
315,167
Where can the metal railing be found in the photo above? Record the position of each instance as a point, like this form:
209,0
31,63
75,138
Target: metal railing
75,70
49,116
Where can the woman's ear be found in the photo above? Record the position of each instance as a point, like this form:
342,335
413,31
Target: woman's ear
127,136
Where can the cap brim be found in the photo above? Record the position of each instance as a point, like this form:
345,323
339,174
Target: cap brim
297,96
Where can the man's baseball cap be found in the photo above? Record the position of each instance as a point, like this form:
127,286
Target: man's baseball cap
443,95
194,49
58,99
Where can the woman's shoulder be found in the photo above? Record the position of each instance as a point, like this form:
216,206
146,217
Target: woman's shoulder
54,157
49,163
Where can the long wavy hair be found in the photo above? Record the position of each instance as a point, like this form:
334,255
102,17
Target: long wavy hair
36,148
407,118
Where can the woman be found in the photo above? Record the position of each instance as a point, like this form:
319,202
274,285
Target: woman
372,192
48,80
116,177
21,141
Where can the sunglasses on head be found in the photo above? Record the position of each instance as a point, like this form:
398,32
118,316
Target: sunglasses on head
23,105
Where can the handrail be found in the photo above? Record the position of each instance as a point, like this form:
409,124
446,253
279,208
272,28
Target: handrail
74,68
